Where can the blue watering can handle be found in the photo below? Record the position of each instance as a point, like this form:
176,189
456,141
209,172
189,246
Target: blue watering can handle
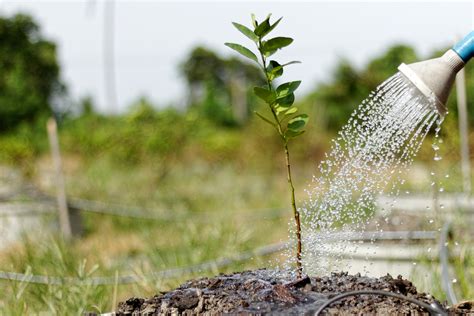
465,47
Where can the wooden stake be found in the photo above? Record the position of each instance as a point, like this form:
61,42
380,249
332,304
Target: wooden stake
64,221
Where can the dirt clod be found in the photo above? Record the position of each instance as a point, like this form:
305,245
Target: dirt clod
267,291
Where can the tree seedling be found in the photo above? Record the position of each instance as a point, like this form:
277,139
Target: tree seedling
285,118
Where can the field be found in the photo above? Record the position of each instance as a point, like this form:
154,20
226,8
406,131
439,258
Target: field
205,206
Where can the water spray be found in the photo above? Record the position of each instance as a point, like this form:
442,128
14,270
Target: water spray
435,77
373,150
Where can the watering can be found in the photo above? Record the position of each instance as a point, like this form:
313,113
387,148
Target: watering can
434,77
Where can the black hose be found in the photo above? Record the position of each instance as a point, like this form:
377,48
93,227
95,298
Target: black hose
434,308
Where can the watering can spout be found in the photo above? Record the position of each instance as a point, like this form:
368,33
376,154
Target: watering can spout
435,77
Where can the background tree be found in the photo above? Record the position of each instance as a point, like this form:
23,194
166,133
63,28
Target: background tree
220,87
29,72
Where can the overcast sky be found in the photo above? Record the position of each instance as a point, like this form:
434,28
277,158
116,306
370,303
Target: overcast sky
153,37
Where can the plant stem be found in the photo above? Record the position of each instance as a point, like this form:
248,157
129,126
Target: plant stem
270,88
296,214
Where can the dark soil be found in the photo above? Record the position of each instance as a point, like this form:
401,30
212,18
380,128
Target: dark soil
269,292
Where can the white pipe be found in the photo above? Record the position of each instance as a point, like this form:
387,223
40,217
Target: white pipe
463,131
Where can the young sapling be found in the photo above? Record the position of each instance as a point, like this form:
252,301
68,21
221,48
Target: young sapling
285,119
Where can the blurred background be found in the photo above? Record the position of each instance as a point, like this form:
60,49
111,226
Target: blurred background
161,162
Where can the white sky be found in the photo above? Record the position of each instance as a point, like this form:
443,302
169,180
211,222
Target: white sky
153,37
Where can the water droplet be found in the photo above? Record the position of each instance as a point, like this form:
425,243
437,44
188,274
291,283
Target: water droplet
441,189
431,221
455,280
437,158
429,249
414,263
435,147
446,176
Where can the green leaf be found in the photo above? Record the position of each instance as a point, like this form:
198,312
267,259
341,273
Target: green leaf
286,101
254,21
242,50
269,53
275,73
265,94
292,134
246,31
297,123
287,88
265,119
274,70
272,27
280,109
262,27
291,110
276,43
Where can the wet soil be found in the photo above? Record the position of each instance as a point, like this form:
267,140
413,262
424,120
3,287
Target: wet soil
269,292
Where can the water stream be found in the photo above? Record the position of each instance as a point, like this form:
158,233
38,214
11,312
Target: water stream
367,158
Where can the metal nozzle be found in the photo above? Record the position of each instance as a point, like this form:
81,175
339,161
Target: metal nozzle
435,77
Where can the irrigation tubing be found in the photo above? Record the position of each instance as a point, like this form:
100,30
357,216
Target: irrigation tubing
434,308
218,263
139,213
144,214
444,260
128,279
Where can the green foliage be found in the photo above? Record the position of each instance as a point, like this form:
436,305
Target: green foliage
271,46
142,134
279,100
86,106
246,31
29,76
386,65
215,107
244,51
218,86
202,65
297,123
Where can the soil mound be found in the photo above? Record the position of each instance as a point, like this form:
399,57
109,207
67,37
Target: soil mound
271,292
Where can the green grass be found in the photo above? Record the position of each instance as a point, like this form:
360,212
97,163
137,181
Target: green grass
427,275
221,220
224,216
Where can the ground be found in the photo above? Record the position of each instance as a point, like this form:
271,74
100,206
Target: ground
268,291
